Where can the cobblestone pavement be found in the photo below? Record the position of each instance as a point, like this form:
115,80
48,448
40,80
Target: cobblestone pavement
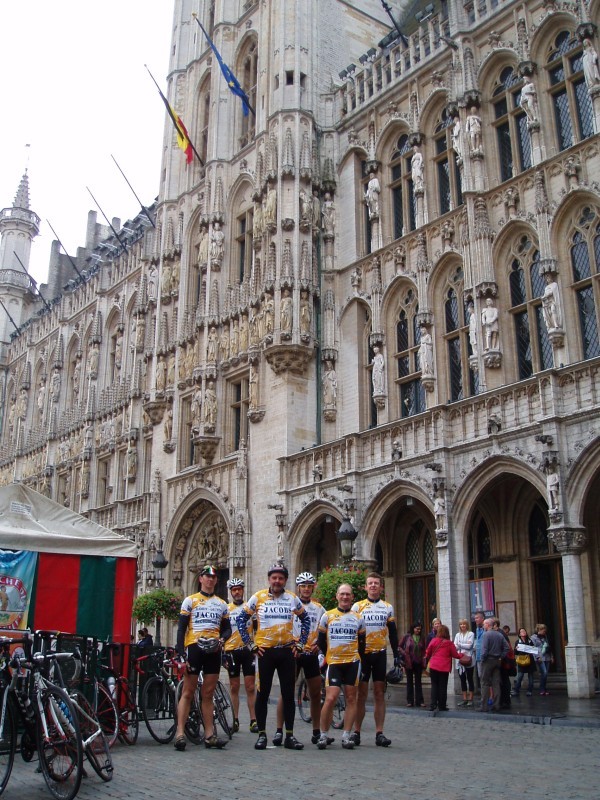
449,756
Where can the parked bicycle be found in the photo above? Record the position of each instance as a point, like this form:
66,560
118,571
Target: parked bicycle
120,691
158,702
303,703
222,712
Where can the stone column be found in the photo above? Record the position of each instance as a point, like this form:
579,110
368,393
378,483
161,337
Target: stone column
570,543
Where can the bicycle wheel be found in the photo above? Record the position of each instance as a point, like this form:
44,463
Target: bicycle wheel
94,741
59,744
338,711
129,723
8,742
194,727
158,709
107,714
223,709
303,701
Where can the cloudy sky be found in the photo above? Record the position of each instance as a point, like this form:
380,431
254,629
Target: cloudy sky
75,89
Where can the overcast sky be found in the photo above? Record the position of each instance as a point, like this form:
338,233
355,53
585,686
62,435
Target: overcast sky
74,87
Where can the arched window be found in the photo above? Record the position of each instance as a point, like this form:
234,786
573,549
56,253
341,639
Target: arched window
420,569
585,266
204,119
533,347
448,173
462,378
510,121
403,198
248,78
480,552
538,533
408,336
573,113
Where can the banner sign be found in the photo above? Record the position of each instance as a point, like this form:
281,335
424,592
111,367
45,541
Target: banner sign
17,573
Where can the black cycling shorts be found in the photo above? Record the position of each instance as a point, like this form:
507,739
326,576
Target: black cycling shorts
373,665
198,660
343,674
308,663
240,660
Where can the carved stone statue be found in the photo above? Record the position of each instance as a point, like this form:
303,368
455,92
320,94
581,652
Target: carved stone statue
196,409
305,207
439,511
328,212
168,425
76,377
203,247
55,385
165,285
269,312
217,248
171,369
473,130
529,100
224,343
551,305
119,351
244,333
329,385
131,462
270,213
212,346
426,353
152,281
305,314
286,312
316,210
234,344
456,144
372,196
94,358
41,400
591,73
416,169
472,328
210,406
140,333
161,375
253,387
491,326
377,374
553,488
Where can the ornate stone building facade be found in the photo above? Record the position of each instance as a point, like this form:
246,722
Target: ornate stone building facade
377,300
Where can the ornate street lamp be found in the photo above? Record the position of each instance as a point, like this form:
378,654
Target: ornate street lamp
346,534
160,563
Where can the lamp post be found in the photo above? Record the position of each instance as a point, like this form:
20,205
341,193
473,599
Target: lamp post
159,562
346,534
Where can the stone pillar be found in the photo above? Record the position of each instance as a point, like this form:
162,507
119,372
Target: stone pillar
570,543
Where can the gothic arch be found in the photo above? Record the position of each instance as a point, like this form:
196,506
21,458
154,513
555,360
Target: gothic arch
550,26
309,524
580,479
491,66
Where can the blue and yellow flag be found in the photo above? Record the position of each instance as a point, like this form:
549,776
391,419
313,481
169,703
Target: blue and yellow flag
232,81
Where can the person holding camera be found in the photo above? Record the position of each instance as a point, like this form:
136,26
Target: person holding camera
204,627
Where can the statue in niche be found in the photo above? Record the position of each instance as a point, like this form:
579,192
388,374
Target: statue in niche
316,210
224,343
551,305
165,286
257,224
93,360
41,401
175,277
254,331
426,353
270,213
84,479
591,73
12,416
152,280
54,385
76,377
210,544
234,345
171,369
305,314
305,207
286,312
416,169
472,328
189,360
253,387
210,406
131,462
45,486
140,333
329,385
490,324
181,367
372,196
473,130
196,409
553,488
119,351
439,511
217,247
244,334
203,247
168,425
212,346
377,374
269,312
456,130
328,215
161,375
529,100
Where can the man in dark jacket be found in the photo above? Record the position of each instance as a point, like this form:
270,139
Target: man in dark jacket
493,649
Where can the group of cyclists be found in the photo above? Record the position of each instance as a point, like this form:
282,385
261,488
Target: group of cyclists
278,631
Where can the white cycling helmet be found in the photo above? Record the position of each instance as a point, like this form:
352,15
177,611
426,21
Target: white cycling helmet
233,582
305,577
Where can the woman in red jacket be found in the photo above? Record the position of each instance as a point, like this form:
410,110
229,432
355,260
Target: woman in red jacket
439,655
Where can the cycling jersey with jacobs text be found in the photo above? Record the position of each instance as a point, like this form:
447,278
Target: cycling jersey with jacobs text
315,611
274,617
235,640
206,615
339,633
378,616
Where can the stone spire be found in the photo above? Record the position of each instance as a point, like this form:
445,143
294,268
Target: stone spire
22,195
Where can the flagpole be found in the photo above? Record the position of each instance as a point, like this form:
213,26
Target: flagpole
170,113
144,209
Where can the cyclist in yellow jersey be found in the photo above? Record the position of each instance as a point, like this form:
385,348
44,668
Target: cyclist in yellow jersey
203,628
238,659
275,648
342,641
307,662
380,623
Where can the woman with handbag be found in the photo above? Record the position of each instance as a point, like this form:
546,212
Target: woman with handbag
439,655
544,657
464,641
412,652
525,664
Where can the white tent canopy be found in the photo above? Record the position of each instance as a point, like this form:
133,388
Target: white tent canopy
30,521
